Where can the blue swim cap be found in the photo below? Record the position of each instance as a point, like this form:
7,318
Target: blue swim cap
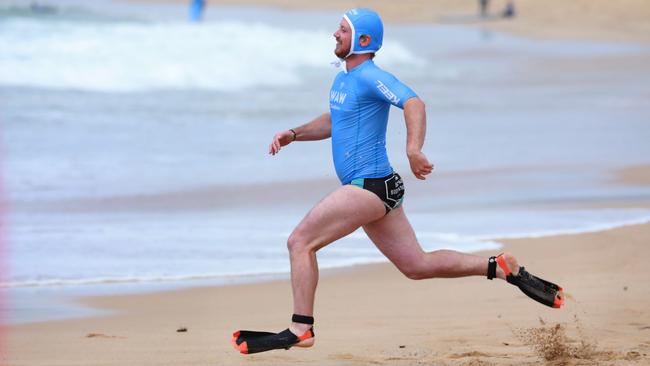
364,22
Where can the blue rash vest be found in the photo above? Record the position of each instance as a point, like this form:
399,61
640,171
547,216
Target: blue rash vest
360,100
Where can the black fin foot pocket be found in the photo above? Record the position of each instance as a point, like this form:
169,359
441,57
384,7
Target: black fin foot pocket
241,336
538,289
252,341
257,342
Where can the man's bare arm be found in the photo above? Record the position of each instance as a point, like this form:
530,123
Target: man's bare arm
416,129
318,129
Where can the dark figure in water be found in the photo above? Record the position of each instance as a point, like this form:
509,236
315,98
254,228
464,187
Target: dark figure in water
509,10
35,7
483,4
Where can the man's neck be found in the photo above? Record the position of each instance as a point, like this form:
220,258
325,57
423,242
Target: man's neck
355,60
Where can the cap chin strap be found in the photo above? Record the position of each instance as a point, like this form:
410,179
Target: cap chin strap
338,63
352,39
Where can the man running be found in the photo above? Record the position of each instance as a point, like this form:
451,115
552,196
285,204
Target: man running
371,193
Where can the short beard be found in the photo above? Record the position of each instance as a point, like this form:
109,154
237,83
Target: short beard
342,53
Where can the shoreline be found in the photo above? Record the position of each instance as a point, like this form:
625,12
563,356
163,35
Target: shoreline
175,283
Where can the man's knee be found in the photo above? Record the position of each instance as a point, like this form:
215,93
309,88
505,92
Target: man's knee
297,243
416,270
293,243
415,273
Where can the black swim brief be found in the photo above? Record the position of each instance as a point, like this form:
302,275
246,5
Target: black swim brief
389,189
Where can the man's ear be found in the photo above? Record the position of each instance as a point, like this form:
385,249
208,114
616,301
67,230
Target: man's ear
364,40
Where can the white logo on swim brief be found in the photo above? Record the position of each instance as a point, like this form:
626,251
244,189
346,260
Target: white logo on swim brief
398,188
387,93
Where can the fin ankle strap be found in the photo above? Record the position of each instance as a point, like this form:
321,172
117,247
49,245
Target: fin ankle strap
302,319
492,268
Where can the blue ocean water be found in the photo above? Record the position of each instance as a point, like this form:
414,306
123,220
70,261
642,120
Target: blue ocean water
133,139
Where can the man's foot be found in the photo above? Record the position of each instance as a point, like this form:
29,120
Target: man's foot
299,328
511,263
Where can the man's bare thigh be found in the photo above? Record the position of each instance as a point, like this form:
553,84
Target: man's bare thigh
395,238
337,215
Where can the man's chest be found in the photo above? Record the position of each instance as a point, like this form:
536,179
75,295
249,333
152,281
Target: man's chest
344,95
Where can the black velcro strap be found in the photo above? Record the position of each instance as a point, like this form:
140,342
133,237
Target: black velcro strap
492,268
302,319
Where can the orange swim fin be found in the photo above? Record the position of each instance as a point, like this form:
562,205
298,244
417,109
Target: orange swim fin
262,343
250,341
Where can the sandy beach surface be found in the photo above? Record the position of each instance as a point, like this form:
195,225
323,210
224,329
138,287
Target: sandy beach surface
371,314
623,20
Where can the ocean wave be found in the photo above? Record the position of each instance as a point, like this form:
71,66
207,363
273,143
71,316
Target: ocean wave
140,56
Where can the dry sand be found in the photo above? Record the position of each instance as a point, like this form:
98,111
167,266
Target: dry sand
618,20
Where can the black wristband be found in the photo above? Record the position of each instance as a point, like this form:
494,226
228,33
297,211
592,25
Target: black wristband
294,134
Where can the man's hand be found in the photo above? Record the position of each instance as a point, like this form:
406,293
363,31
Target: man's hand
280,139
420,165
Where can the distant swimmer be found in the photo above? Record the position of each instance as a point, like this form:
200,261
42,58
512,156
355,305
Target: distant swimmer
371,191
196,10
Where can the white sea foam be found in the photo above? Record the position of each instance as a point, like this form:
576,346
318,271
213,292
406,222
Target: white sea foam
212,252
130,56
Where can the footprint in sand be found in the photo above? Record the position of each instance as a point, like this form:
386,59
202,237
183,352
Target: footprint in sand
100,335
